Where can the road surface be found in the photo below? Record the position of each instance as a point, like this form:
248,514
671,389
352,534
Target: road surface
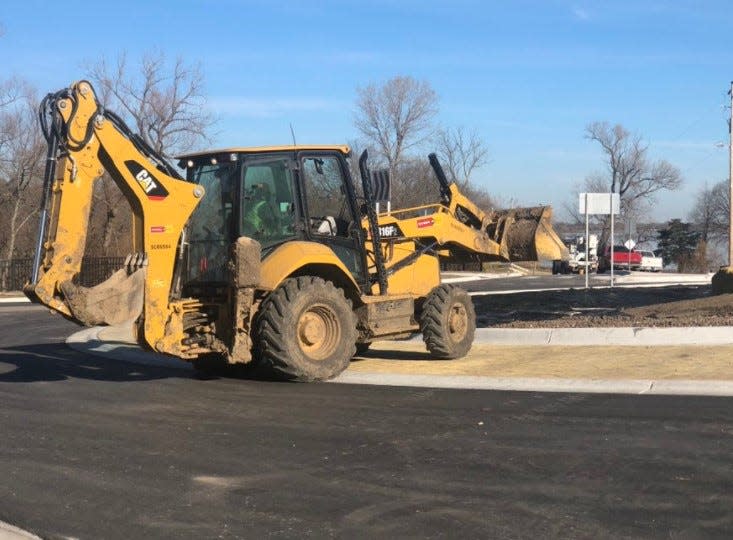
100,449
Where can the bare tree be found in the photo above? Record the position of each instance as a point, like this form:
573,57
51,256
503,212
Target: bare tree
417,185
461,152
11,91
712,212
395,117
21,167
165,105
629,171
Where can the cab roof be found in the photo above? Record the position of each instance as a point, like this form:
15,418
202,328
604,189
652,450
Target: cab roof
343,148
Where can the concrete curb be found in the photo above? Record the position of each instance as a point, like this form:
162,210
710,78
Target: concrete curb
113,343
13,299
631,285
463,278
88,341
640,337
528,384
11,532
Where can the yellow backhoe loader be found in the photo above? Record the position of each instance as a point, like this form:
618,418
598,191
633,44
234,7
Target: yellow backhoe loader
259,255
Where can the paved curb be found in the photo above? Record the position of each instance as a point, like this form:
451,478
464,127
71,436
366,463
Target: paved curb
529,384
88,341
640,337
463,278
118,347
631,285
11,532
13,299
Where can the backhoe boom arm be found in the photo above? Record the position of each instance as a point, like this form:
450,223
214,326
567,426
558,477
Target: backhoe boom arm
84,141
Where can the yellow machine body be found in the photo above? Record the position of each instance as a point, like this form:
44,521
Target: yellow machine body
190,297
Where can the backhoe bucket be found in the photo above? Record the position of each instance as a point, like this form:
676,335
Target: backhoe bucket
114,301
526,234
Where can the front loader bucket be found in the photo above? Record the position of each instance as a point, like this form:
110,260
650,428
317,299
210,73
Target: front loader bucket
526,234
114,301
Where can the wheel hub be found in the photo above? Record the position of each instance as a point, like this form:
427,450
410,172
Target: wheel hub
457,321
312,329
319,332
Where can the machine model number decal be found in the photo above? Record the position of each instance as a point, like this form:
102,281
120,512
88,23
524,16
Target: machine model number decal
389,231
425,222
150,185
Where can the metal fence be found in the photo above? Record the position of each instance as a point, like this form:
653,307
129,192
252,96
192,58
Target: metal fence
14,273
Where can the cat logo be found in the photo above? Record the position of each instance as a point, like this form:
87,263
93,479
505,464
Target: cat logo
145,180
150,185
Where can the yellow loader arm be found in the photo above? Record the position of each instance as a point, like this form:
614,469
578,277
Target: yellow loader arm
83,142
458,226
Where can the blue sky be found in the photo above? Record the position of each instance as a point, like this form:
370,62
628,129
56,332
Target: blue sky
528,76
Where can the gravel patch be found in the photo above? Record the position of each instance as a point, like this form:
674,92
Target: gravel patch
575,308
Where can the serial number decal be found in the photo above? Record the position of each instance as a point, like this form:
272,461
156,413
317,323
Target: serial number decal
160,246
425,222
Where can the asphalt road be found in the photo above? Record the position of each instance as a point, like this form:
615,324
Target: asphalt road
97,449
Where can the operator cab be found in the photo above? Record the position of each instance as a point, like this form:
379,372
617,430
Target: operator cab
273,195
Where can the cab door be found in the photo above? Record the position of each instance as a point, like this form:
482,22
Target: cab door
331,216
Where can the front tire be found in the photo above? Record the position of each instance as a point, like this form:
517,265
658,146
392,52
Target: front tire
448,322
305,330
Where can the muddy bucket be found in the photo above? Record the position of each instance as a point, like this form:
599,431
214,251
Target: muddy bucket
526,234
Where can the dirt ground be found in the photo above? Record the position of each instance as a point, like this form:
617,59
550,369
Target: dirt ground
639,306
600,363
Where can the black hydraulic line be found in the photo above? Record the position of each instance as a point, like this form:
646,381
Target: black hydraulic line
381,276
141,145
412,257
442,179
51,135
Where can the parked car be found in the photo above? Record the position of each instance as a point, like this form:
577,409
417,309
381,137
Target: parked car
623,259
650,262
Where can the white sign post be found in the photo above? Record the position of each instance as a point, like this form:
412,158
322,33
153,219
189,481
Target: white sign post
598,203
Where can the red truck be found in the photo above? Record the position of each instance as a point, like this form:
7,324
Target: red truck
623,259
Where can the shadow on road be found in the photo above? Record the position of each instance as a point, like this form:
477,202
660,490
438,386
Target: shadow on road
52,362
397,355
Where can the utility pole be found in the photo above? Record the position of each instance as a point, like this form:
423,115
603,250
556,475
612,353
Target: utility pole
722,281
730,178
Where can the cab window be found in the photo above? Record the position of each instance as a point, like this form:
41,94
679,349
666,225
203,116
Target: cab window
267,211
329,212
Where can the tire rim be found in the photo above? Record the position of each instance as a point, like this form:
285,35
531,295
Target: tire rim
319,332
457,322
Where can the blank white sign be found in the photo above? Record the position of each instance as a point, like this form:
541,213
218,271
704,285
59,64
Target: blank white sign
600,203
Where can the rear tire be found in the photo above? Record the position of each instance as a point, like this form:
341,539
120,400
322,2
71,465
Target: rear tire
305,330
448,322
